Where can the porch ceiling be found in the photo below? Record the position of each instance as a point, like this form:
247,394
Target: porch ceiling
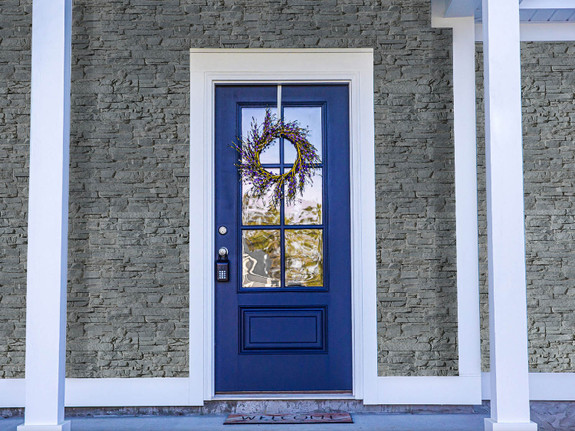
529,10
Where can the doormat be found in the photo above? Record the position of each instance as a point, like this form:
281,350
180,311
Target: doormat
300,418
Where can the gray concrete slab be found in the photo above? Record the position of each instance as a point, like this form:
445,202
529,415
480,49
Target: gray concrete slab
362,421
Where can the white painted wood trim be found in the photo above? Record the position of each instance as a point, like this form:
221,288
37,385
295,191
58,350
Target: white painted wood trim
211,66
456,390
64,426
12,393
465,388
127,392
259,51
108,392
542,386
142,392
201,241
48,214
284,397
467,231
539,32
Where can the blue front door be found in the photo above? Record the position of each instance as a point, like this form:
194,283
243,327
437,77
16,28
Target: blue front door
283,320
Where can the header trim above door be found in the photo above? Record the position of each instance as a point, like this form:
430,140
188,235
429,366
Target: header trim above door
209,67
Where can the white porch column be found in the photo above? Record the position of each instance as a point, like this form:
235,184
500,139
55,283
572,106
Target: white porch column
505,220
48,216
465,140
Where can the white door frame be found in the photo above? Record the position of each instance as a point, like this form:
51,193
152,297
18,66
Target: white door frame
211,66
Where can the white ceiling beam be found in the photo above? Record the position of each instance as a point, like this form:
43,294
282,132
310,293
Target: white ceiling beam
547,4
539,32
459,8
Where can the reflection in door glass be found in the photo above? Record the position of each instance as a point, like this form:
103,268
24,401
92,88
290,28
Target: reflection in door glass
249,115
304,257
308,117
261,263
257,211
307,208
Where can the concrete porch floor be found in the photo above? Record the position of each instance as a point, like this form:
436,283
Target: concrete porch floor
362,421
549,415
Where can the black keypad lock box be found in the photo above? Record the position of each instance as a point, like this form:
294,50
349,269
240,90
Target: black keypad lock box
222,270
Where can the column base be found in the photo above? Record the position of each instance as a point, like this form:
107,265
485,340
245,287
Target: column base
64,426
492,425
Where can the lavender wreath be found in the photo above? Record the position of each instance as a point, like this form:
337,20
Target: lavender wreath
262,180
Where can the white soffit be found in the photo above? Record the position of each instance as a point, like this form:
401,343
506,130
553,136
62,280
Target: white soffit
529,10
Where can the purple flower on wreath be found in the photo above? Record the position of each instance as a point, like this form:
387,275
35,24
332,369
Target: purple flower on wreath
289,184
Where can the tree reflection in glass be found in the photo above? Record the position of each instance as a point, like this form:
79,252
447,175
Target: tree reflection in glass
257,211
307,208
304,257
261,264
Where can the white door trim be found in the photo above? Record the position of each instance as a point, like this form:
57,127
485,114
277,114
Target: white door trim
211,66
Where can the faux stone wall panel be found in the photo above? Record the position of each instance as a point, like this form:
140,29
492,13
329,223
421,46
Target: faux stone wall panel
128,290
129,196
415,201
128,260
15,36
549,164
548,90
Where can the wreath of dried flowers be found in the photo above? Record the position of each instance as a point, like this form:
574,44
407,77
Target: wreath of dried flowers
262,180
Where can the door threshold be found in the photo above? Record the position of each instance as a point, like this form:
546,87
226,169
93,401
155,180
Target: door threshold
284,396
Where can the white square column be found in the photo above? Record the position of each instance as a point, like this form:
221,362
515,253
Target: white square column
466,231
48,216
505,219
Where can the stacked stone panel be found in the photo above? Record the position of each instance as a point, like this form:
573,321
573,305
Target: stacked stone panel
129,184
548,91
15,36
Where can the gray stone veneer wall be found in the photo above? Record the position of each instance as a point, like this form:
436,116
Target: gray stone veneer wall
15,21
549,164
128,288
548,83
131,104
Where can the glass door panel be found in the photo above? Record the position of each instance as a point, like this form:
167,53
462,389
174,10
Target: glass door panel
310,118
283,257
251,115
307,208
259,211
261,264
304,257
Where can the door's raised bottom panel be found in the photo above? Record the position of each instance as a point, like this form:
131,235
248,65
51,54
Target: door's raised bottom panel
282,330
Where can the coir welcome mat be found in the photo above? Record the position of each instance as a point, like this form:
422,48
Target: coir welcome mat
300,418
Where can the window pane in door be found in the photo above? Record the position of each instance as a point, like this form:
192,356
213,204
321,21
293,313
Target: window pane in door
308,117
261,262
251,116
307,207
304,257
258,211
